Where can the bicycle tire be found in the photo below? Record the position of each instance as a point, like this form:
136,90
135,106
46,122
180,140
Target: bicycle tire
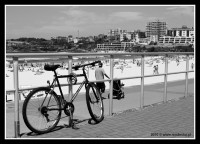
35,110
93,98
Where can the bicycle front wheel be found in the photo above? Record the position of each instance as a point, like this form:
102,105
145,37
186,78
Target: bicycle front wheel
94,103
41,110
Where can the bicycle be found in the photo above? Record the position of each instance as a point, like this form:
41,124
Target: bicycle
42,108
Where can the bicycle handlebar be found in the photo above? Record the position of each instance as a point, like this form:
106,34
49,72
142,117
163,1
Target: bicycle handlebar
79,66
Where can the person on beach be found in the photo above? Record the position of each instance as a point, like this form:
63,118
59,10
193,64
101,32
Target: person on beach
154,69
157,69
177,61
192,66
122,68
99,75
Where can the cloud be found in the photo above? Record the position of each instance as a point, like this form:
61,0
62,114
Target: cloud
155,18
181,10
73,19
79,17
127,15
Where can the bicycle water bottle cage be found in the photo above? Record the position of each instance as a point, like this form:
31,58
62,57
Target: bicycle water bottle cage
72,79
48,67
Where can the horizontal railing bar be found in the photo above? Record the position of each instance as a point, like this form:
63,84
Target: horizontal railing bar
105,80
29,55
56,60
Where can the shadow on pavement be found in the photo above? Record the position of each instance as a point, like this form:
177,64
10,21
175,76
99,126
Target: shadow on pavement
77,123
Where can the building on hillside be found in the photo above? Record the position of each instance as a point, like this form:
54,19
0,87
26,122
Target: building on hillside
140,37
76,40
15,43
114,46
183,31
114,34
153,38
156,29
177,40
183,35
61,38
70,38
127,36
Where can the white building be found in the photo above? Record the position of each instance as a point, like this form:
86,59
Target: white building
177,39
183,31
114,46
76,40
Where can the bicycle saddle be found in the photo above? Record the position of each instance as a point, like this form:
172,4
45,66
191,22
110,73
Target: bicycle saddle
48,67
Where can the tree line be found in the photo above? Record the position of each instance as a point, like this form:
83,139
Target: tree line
83,45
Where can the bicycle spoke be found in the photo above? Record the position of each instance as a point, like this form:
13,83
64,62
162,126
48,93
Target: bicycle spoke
41,111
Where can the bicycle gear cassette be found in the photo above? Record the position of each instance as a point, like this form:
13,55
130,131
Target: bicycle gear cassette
68,107
72,79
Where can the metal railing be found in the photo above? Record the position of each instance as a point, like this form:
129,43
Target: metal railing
15,57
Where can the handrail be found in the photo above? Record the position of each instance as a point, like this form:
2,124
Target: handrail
41,55
85,56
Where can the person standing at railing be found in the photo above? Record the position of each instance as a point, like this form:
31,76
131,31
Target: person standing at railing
99,75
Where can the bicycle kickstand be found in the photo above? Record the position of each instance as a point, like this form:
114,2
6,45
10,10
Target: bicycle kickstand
71,121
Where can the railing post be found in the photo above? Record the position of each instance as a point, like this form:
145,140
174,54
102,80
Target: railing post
142,83
165,78
69,71
186,75
111,86
16,97
70,90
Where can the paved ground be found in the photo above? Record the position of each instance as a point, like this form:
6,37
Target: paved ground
174,119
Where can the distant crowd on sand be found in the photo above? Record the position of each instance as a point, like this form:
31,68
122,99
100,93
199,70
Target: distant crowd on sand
38,68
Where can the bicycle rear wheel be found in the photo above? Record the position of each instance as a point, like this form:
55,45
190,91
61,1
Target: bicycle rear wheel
41,110
94,103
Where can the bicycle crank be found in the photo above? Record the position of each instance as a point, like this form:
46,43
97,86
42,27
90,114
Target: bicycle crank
69,107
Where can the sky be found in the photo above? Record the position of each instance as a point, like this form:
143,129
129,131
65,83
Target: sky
46,21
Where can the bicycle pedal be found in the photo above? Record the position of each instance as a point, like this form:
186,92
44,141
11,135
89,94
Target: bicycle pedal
74,126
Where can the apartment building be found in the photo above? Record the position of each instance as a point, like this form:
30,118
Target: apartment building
156,29
183,35
115,32
183,31
114,46
177,39
127,35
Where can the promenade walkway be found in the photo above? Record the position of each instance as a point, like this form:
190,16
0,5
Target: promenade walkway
174,119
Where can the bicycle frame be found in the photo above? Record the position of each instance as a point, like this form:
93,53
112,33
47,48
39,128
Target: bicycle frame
56,79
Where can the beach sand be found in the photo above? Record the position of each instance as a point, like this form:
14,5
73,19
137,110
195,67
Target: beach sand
36,79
